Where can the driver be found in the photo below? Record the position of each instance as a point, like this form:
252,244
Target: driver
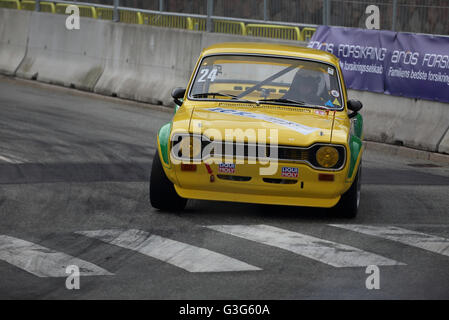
304,87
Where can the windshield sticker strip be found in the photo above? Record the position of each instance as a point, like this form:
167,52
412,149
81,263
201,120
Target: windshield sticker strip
305,130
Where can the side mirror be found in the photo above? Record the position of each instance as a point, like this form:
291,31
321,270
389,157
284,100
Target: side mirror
354,106
178,93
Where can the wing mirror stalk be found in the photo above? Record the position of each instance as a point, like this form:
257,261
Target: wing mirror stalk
354,106
177,94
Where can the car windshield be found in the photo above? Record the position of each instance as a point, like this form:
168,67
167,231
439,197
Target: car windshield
263,79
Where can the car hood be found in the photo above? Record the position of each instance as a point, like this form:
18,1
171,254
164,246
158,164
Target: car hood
293,126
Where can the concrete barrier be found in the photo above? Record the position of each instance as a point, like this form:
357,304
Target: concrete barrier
413,123
145,63
72,58
14,26
443,146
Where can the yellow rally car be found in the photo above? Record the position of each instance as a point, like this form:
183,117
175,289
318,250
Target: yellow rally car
261,123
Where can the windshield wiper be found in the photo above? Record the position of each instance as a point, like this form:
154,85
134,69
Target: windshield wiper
300,103
205,94
233,97
318,106
283,100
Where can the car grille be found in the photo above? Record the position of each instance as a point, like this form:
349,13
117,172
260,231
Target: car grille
251,152
248,151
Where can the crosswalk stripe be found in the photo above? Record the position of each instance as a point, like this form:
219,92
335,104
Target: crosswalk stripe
182,255
416,239
42,261
328,252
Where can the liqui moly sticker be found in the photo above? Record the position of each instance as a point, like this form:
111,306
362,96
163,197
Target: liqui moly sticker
226,168
289,172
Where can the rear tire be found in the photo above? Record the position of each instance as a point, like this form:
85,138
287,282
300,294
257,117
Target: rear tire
349,202
163,195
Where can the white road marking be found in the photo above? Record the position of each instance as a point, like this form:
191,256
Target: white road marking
182,255
416,239
328,252
41,261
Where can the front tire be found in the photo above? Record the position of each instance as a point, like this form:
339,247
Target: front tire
163,195
349,203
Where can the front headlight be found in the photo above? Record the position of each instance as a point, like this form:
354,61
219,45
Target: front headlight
327,156
186,147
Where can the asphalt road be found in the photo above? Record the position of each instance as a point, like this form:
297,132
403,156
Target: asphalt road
73,162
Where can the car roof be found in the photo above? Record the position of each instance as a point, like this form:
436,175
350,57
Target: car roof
271,49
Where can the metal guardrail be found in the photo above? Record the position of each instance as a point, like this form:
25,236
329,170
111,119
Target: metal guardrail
85,11
245,27
307,33
127,16
28,5
231,27
44,6
417,16
273,31
105,13
158,20
10,4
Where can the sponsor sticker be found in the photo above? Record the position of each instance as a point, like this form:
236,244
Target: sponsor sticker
330,71
289,172
335,93
226,168
336,102
329,104
303,129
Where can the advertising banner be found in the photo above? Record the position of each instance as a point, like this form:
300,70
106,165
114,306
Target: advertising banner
400,64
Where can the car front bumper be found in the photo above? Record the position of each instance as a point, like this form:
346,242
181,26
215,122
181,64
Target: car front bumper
307,189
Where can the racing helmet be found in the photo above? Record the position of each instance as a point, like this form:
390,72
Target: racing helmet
302,77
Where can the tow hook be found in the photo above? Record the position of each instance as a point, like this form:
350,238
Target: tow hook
211,173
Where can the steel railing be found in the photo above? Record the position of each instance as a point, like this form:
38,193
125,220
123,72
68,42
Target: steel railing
415,16
198,22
